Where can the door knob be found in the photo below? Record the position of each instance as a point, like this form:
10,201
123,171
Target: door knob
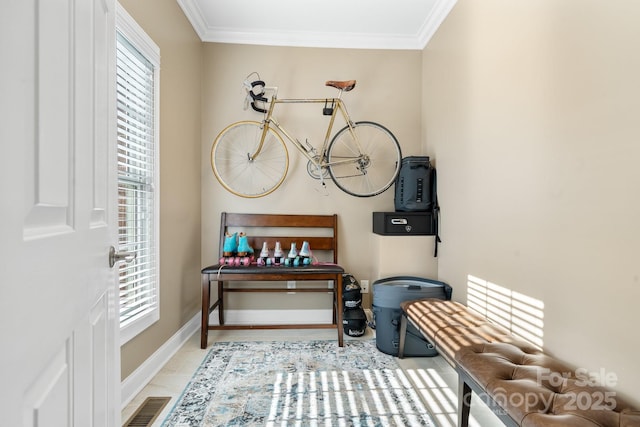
115,256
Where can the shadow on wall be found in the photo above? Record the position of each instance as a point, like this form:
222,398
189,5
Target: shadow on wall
522,315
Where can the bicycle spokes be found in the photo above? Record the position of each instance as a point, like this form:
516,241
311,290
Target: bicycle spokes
345,167
239,168
371,172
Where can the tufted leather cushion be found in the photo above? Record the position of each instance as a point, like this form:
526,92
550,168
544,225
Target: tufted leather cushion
533,388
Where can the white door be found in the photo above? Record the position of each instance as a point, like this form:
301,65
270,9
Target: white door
59,352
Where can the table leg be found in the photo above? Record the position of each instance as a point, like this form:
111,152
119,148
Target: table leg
206,300
220,302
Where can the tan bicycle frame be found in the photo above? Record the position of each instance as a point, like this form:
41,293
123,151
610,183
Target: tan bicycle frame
321,161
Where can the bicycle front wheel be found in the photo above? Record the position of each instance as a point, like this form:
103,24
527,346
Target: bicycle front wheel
239,172
364,162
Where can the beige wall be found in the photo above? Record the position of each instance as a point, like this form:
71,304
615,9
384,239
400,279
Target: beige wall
180,127
532,110
387,91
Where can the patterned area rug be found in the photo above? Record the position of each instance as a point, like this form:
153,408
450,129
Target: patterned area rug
308,383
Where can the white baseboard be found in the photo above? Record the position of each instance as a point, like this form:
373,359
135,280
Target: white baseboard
134,383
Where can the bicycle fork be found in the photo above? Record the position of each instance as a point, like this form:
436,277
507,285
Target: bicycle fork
265,129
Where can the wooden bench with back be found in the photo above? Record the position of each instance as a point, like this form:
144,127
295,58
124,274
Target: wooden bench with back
321,231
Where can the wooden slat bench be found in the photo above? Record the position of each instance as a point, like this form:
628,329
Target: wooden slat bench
321,231
518,381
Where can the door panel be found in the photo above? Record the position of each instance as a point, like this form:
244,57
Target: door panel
99,326
50,162
47,401
59,360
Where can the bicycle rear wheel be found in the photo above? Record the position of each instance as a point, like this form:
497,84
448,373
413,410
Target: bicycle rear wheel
235,169
365,167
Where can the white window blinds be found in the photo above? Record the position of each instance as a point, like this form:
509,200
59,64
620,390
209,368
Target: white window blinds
136,83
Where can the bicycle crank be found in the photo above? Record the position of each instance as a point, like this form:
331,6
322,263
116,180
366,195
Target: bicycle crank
316,171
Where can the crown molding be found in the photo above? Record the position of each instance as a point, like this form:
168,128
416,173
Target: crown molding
312,39
195,16
439,13
343,40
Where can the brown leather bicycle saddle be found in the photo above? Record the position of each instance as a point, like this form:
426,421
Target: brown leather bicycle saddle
345,85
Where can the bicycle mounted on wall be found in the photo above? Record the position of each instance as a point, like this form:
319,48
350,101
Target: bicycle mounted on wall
250,158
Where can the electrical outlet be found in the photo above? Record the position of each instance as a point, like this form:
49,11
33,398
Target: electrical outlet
364,286
291,284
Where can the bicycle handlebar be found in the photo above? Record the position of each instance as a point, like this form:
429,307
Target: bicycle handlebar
258,109
255,94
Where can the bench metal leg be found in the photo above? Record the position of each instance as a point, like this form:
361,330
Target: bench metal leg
464,402
337,291
403,335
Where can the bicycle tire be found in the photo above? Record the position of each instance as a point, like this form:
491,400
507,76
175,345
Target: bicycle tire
237,172
377,166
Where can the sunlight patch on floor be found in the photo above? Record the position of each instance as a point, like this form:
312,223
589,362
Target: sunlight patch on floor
438,397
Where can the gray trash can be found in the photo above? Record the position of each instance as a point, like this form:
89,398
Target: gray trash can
387,295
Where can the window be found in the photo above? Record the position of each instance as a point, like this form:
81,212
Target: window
137,84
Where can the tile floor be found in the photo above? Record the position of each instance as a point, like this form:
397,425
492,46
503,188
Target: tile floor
432,376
